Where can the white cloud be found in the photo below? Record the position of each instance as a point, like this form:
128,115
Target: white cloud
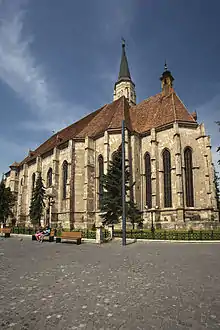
54,123
12,151
21,72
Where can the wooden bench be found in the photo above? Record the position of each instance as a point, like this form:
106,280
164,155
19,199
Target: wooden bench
70,235
49,238
6,231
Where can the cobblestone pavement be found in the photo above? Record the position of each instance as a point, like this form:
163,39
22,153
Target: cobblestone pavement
142,286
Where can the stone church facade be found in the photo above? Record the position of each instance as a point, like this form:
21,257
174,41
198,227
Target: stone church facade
167,150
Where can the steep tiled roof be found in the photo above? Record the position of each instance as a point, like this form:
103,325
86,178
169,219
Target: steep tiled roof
62,136
110,116
157,111
154,112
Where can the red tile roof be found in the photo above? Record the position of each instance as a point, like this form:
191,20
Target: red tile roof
153,112
157,111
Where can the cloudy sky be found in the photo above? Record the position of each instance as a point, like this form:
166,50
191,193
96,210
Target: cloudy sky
59,61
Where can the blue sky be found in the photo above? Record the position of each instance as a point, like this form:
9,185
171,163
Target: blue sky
59,61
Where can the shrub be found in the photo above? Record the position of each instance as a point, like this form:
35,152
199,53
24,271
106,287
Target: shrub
171,234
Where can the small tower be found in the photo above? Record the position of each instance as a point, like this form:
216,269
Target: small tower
124,85
166,81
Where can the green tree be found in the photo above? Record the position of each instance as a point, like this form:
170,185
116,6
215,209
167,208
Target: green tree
37,202
134,214
111,201
7,200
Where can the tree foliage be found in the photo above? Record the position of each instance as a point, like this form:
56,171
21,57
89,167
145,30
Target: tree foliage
111,199
7,200
37,202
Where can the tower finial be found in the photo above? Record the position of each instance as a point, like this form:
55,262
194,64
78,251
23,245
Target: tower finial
123,42
165,65
166,80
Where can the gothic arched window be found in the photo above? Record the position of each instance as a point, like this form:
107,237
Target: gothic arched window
65,176
33,181
49,177
188,177
101,172
167,178
147,164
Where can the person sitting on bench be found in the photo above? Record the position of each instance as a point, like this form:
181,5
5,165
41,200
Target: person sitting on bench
47,231
39,233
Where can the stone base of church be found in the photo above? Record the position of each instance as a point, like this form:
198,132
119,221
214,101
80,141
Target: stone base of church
195,225
167,219
196,219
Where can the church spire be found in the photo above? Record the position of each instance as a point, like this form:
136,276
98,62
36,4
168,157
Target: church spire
166,80
124,85
124,73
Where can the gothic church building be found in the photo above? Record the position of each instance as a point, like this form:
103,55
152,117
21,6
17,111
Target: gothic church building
167,150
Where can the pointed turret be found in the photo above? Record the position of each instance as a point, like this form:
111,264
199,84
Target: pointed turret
166,81
124,85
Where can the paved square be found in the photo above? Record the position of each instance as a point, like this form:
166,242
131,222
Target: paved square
143,286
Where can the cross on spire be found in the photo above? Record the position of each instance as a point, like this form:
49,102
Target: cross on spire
165,66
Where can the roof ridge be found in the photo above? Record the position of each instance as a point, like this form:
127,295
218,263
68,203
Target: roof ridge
120,99
154,111
174,106
147,99
83,118
71,125
184,106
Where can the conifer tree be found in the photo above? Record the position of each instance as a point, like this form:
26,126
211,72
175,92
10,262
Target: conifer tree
111,201
134,214
7,200
37,202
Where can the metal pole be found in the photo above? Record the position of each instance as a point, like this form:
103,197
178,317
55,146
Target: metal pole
50,210
123,186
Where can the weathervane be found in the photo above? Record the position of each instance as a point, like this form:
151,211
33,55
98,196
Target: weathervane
165,65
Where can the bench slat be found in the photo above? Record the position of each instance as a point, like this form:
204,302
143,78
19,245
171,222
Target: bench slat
71,235
5,230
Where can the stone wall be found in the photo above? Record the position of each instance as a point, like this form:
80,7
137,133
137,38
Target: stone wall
80,208
127,89
79,216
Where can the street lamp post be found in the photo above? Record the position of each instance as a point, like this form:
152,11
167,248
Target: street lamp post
51,201
123,185
50,210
